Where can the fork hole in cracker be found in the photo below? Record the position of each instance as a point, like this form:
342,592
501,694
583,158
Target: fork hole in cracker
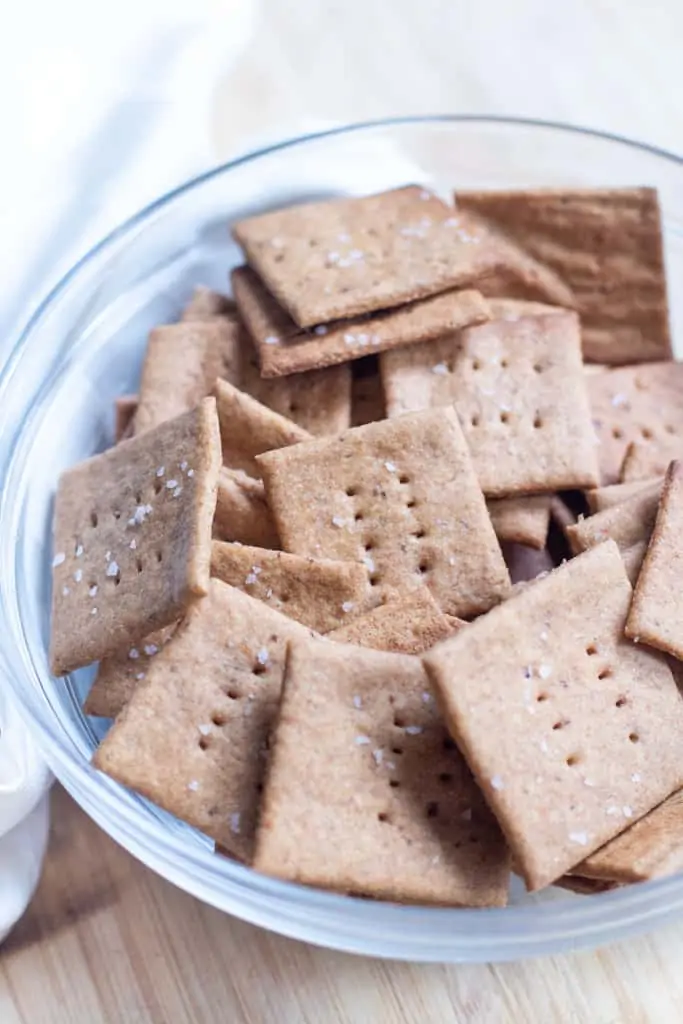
399,721
538,422
159,556
560,725
258,669
617,433
232,694
669,429
116,513
359,517
604,673
423,567
157,485
397,750
368,545
93,519
646,433
541,697
476,365
218,719
591,649
203,743
403,478
394,783
505,417
411,503
449,744
634,737
138,564
538,368
420,533
138,498
351,492
445,777
474,420
620,702
384,818
572,760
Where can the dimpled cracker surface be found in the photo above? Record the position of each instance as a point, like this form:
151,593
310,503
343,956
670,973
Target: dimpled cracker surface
366,794
284,348
242,512
343,257
521,520
181,364
318,592
572,731
118,675
408,624
401,497
652,848
249,428
606,244
132,538
642,404
193,736
656,617
519,390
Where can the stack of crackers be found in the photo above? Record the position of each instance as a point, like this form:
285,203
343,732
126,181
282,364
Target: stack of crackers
315,568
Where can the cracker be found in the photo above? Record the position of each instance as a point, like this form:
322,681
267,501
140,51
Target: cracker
118,675
207,304
408,624
341,258
193,736
249,428
556,718
517,309
606,244
644,460
601,498
519,390
652,848
284,348
635,403
367,393
526,564
400,496
317,592
655,615
132,538
124,414
629,524
242,512
521,520
181,364
365,793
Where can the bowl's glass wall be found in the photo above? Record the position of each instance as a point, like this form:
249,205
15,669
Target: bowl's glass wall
56,393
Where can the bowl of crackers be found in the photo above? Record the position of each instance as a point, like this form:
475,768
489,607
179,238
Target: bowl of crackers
339,537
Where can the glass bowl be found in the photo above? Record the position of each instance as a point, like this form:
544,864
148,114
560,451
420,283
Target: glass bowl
84,346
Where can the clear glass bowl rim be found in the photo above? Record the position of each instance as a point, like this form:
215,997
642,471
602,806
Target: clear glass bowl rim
327,919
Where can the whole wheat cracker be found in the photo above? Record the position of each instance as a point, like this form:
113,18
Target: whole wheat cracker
132,538
652,848
400,496
180,366
318,592
408,624
124,414
249,428
635,403
606,244
118,675
519,390
644,460
556,719
365,793
242,512
655,615
522,520
601,498
209,700
367,393
284,348
341,258
206,304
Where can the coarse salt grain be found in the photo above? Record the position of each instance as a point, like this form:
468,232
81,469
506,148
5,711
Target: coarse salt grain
150,650
272,339
204,729
193,785
251,578
93,611
65,591
93,590
79,550
112,569
161,470
635,777
369,563
190,472
171,484
58,559
578,837
320,329
413,730
235,823
347,606
544,671
426,697
133,653
378,756
177,492
140,514
497,782
360,741
451,560
140,675
133,544
262,656
612,810
269,593
619,401
183,465
440,368
357,702
627,812
390,466
338,521
78,575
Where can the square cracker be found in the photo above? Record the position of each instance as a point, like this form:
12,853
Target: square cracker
242,512
249,428
365,793
400,496
409,624
208,701
606,244
644,460
181,364
132,538
652,848
118,675
519,390
284,348
635,403
521,520
655,615
572,731
344,257
317,592
602,498
206,304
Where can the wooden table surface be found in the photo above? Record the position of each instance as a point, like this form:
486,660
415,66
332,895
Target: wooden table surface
105,940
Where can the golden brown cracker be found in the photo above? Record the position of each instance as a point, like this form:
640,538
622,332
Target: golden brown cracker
242,512
118,675
132,538
644,460
557,716
628,523
601,498
408,624
522,520
365,793
400,496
